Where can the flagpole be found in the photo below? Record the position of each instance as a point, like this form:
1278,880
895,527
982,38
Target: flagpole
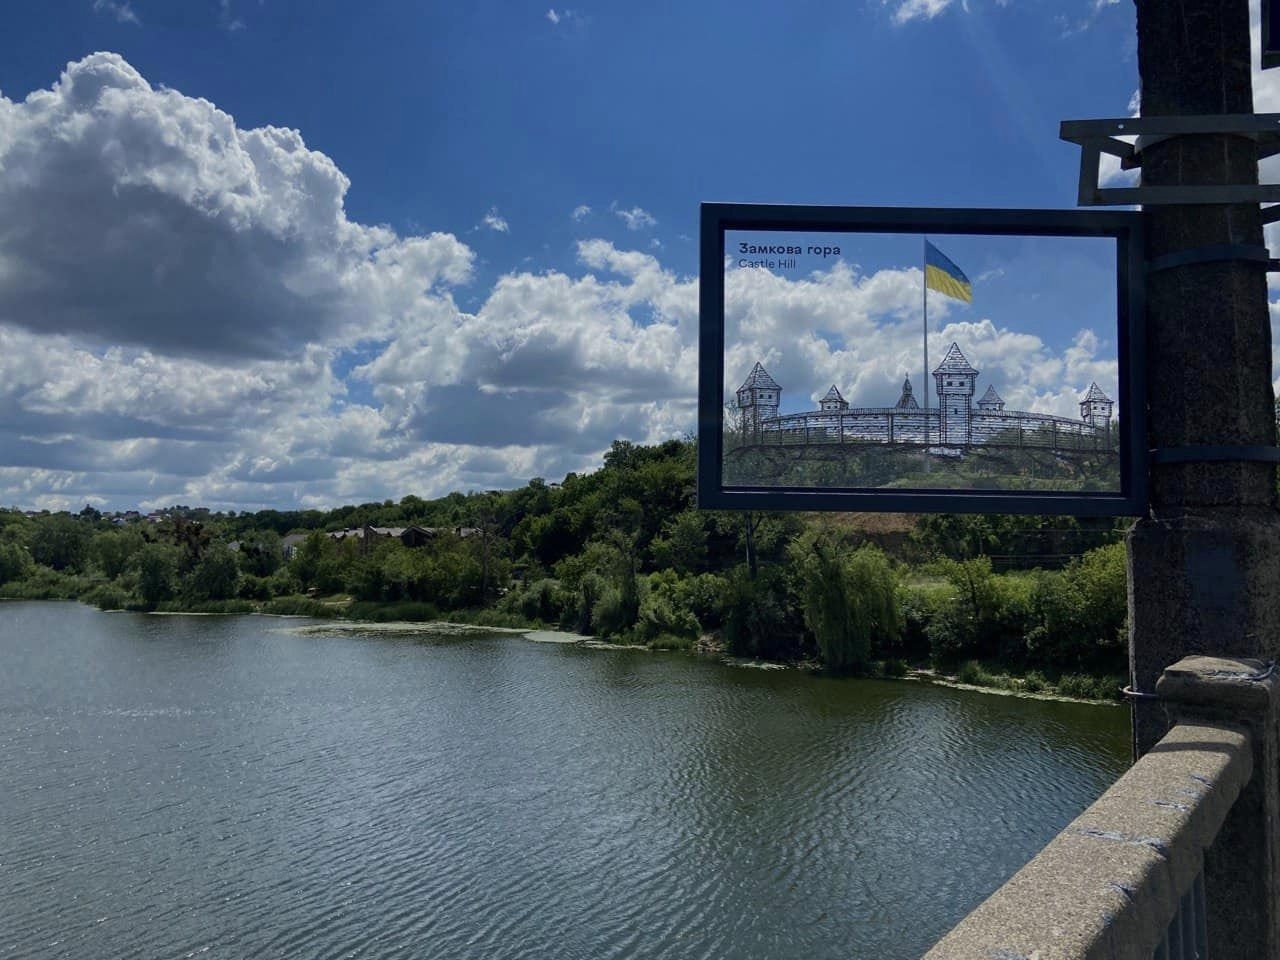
924,312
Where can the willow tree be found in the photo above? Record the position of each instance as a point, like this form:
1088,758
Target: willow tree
849,600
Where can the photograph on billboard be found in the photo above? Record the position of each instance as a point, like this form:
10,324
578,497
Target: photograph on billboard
868,358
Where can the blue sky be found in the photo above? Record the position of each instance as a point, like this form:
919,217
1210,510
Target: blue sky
265,253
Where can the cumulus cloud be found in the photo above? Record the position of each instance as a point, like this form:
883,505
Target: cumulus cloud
135,215
187,314
584,360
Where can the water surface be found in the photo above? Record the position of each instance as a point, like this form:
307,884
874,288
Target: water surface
228,787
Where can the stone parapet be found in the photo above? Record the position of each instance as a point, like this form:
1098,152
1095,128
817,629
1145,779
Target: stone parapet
1109,885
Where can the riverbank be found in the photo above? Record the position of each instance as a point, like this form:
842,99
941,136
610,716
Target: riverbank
348,614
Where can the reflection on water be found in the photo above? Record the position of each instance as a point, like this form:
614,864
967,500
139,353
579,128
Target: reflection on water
227,787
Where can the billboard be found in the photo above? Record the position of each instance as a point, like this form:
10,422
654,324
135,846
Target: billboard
867,358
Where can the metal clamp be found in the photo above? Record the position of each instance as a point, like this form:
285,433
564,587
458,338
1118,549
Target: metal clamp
1131,694
1214,253
1096,137
1212,453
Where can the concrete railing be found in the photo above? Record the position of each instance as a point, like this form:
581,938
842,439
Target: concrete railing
1180,852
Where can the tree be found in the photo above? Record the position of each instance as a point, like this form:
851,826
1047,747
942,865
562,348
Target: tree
214,576
14,562
113,550
61,542
157,566
683,544
849,600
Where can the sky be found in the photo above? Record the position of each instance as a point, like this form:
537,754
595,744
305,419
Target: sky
257,253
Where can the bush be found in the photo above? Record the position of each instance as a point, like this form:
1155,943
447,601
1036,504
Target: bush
667,641
1035,682
542,600
44,583
108,596
298,607
663,615
205,606
610,614
894,668
758,614
253,587
971,672
1076,685
391,612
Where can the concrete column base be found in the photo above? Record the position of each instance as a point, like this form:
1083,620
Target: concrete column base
1199,584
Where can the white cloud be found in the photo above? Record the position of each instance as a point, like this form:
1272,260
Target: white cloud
146,217
553,16
188,315
228,20
907,10
181,301
635,218
495,222
122,11
580,212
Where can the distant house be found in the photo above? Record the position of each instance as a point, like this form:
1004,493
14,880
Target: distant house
411,536
289,544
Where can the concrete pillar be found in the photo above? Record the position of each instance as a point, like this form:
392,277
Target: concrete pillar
1204,566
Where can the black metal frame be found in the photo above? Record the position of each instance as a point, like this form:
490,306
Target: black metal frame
1270,42
1124,227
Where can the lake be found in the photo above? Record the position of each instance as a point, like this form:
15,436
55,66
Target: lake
236,787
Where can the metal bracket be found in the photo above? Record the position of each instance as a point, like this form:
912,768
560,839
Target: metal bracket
1214,253
1212,453
1096,137
1131,694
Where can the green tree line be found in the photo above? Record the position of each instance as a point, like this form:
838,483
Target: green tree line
622,553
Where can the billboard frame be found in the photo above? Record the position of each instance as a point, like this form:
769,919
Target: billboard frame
1124,227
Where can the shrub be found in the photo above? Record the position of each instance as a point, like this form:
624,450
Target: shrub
1076,685
391,612
971,672
894,668
541,600
205,606
44,583
298,607
1035,682
108,596
756,622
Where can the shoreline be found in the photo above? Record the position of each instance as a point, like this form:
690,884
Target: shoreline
450,628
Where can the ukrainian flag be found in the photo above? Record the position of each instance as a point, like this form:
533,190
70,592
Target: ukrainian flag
944,276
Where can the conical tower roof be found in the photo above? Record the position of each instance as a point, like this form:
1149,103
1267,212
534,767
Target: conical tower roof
833,394
759,379
1095,393
991,396
955,363
907,401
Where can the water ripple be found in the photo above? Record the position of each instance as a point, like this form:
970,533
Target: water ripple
215,788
